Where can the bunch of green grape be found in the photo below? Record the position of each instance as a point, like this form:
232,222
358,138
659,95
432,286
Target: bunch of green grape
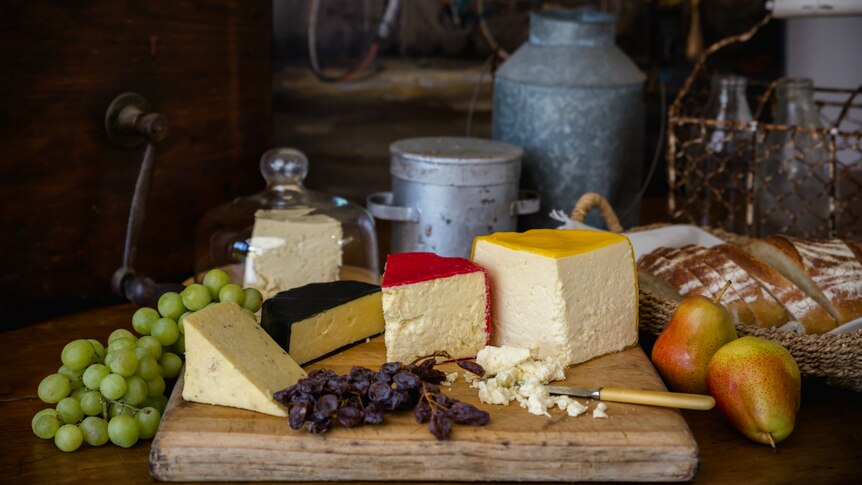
117,393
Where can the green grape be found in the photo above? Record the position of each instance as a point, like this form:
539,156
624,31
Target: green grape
171,364
99,348
74,376
140,353
53,388
143,320
195,297
120,333
71,374
136,391
124,363
152,345
69,410
68,438
94,430
251,314
46,423
214,281
148,422
77,393
120,409
231,292
253,299
123,343
78,354
123,431
94,375
181,325
113,386
179,347
165,331
91,403
171,305
156,387
148,368
159,402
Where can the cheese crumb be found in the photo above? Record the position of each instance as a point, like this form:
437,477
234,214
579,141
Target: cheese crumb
515,374
599,411
451,377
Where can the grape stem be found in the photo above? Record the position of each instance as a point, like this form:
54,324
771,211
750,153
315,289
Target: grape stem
105,403
439,353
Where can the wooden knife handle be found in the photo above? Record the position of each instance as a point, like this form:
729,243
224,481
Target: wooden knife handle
680,400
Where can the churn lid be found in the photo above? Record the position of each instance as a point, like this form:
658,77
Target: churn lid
455,161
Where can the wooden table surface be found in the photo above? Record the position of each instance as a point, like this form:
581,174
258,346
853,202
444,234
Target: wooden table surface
826,446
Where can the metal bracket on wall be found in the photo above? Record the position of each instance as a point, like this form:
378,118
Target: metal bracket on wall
129,122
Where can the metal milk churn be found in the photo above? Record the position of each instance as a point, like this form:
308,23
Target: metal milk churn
448,190
573,101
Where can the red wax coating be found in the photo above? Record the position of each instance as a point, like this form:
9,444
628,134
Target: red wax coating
410,268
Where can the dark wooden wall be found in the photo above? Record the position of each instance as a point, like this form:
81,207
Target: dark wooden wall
65,190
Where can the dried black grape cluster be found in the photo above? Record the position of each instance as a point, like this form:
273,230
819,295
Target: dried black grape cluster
363,396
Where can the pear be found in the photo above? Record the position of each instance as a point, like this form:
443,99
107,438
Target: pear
756,385
697,329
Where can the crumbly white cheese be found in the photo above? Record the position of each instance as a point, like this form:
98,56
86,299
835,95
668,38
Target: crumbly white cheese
514,374
572,308
440,314
291,248
599,411
451,377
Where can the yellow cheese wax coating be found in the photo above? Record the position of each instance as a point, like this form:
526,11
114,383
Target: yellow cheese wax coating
553,243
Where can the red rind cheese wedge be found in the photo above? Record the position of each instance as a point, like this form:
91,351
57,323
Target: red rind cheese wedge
433,303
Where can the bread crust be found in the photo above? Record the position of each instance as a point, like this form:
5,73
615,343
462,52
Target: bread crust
827,270
801,307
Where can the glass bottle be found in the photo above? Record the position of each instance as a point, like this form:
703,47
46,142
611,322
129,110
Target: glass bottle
792,181
287,236
718,160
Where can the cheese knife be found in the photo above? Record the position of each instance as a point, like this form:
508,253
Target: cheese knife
700,402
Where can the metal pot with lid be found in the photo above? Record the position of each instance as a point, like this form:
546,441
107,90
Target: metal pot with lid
448,190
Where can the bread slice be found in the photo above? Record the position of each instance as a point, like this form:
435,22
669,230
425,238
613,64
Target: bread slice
825,269
801,307
767,311
666,278
691,259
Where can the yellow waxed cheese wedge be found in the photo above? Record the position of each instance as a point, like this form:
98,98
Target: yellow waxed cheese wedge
232,361
571,294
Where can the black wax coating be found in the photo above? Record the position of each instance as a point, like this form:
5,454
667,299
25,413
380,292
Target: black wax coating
286,308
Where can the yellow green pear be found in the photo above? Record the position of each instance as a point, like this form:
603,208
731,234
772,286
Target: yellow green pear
757,387
697,329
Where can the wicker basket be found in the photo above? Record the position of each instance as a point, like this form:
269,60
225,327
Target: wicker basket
835,358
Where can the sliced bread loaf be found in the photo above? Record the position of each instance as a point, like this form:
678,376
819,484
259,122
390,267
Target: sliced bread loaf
827,270
801,307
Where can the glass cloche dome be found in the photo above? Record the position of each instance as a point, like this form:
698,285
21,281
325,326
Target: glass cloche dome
287,236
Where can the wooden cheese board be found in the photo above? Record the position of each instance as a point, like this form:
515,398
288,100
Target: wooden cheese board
200,442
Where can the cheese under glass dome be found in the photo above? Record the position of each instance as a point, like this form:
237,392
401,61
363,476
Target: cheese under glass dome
287,236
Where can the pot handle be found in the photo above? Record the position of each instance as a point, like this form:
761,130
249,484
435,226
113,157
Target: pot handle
527,203
379,204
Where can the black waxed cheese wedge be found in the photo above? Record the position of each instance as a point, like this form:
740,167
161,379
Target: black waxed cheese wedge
316,319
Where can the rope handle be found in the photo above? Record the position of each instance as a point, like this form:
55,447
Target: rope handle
592,200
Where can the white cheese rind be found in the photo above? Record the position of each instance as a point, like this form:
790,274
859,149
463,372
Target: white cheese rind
440,314
572,308
290,248
232,361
